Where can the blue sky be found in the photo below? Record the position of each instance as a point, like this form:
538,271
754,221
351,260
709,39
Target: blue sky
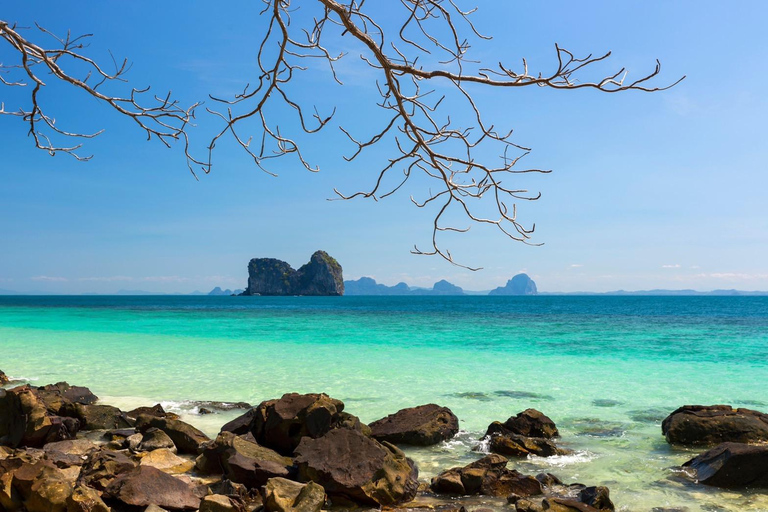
663,190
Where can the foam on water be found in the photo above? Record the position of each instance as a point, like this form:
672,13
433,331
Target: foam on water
605,369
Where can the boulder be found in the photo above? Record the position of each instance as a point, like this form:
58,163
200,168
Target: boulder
532,423
49,495
503,441
281,495
598,497
167,461
55,395
488,476
281,424
156,410
85,499
732,465
4,378
26,421
96,417
187,438
424,425
144,486
155,439
219,503
243,461
351,465
104,466
700,425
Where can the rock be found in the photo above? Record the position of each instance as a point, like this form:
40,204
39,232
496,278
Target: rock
281,495
187,438
521,284
219,503
242,461
133,442
488,476
96,417
156,411
321,276
48,495
566,505
443,287
281,424
26,421
66,393
349,464
369,286
422,426
732,465
709,425
85,499
532,423
103,467
506,442
144,486
167,461
597,497
77,447
155,439
4,378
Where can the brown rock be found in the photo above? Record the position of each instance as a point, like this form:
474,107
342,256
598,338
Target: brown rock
219,503
156,410
424,425
532,423
243,461
281,424
732,465
26,421
4,378
48,495
96,417
187,438
506,442
146,486
349,464
85,499
488,476
165,460
700,425
103,467
282,495
155,439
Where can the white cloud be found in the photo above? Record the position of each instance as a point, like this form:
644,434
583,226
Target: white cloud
676,265
50,279
576,265
108,279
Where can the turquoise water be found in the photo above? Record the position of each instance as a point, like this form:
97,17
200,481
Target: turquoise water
605,369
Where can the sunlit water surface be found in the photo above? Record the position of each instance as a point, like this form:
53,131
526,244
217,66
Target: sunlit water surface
607,370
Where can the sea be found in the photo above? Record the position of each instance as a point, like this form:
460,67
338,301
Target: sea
606,369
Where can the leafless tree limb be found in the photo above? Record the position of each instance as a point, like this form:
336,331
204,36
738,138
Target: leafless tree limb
428,139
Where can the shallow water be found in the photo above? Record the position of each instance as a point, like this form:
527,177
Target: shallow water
605,369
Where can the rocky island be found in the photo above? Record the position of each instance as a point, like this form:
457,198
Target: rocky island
321,276
521,284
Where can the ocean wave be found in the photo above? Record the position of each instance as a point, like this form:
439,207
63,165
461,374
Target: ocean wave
561,461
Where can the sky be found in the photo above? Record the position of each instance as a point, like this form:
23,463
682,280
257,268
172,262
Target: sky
662,190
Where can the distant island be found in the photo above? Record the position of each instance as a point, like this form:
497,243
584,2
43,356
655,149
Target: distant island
521,284
270,276
219,292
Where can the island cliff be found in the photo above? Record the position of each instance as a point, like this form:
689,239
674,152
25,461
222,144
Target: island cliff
521,284
321,276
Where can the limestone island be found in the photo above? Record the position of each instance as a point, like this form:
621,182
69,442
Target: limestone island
322,276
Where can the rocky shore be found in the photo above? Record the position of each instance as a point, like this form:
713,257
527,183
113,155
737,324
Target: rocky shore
62,450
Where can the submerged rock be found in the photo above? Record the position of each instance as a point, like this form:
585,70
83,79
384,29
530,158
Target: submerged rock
351,465
732,465
488,476
424,425
708,425
321,276
528,433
